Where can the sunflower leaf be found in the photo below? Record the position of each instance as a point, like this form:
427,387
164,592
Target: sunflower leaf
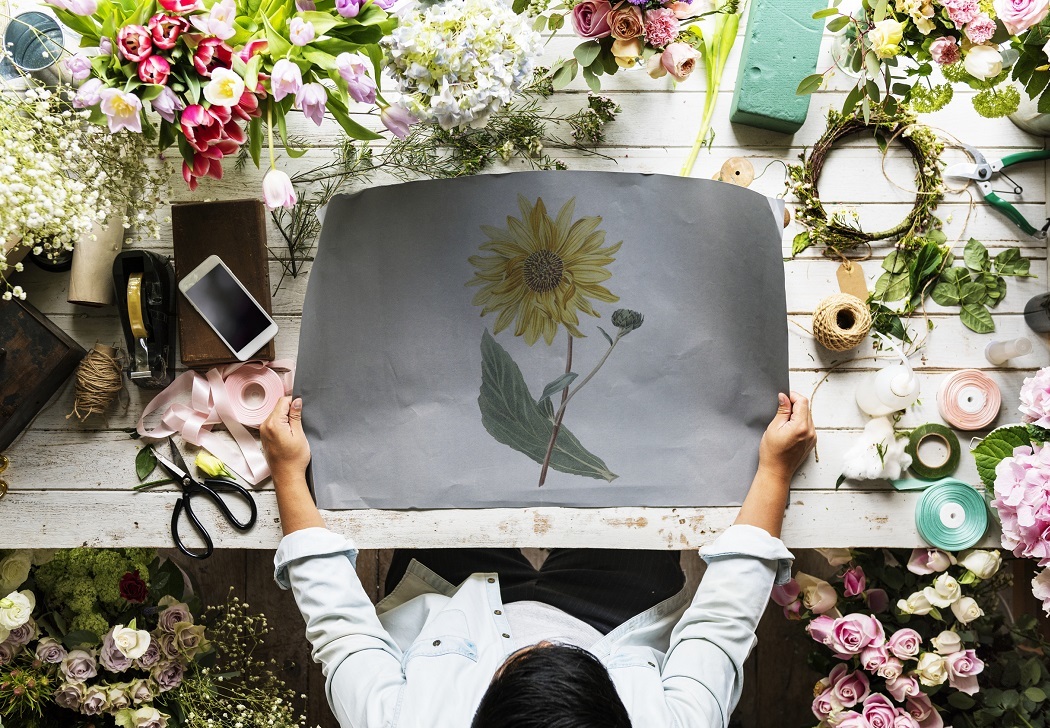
557,385
514,418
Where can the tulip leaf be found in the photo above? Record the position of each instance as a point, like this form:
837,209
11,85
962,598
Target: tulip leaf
255,139
514,418
145,463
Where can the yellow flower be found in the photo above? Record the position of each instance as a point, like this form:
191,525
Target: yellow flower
885,36
212,466
543,271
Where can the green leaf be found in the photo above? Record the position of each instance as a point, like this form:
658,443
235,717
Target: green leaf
895,262
514,418
956,276
606,335
557,385
880,10
556,22
1035,695
519,6
972,293
255,139
825,13
999,444
565,74
962,701
80,638
891,287
145,463
587,53
838,24
809,84
1010,263
946,294
975,255
977,317
339,113
592,81
927,262
800,243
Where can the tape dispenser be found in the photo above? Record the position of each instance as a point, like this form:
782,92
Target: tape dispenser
144,284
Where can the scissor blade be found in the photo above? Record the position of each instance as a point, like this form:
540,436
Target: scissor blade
170,466
963,170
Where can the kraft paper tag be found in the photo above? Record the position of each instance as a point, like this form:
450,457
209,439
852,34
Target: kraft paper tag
851,280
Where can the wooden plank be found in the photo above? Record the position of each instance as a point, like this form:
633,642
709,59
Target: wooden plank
814,519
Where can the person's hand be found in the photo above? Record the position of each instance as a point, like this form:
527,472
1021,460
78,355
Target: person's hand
284,443
788,439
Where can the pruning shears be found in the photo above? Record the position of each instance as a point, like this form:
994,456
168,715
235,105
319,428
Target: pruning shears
982,170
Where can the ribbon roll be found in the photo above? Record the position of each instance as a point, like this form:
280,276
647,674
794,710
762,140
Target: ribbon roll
969,400
254,390
933,471
951,515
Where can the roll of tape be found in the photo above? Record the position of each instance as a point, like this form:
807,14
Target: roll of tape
135,317
254,391
969,399
933,471
951,516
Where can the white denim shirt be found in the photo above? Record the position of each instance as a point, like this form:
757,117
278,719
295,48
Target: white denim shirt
424,656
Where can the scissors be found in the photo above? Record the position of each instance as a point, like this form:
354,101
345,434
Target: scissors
982,170
211,489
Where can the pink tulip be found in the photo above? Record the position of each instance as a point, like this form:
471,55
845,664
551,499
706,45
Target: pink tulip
121,110
135,43
348,8
311,100
354,71
88,94
285,80
397,120
252,48
278,190
212,53
165,30
154,70
167,104
181,6
300,32
79,66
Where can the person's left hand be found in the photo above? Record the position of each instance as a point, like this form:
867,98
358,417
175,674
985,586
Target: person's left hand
284,442
789,437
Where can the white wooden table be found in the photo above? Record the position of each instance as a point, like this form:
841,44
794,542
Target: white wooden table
71,484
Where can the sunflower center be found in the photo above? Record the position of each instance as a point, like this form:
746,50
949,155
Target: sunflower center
543,271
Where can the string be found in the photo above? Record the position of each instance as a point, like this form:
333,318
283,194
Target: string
99,380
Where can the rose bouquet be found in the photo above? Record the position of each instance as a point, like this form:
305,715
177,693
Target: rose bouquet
902,643
894,47
216,71
103,637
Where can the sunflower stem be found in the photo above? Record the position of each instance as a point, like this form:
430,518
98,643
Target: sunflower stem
558,418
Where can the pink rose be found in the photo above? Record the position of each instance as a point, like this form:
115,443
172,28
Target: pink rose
793,611
155,70
825,704
1020,15
135,43
963,668
682,10
922,710
661,27
820,629
787,593
854,632
625,23
904,720
929,561
890,669
849,688
872,658
851,719
679,59
905,643
854,581
903,686
879,711
877,600
590,18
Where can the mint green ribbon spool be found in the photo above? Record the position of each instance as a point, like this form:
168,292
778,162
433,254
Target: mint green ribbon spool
951,515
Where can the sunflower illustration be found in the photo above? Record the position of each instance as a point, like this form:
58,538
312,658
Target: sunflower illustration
543,272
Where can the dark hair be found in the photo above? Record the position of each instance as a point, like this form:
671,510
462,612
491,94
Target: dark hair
551,686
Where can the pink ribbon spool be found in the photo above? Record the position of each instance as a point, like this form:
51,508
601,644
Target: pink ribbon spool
254,391
969,400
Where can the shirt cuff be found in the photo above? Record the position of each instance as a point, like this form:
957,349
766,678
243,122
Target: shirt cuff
754,542
307,543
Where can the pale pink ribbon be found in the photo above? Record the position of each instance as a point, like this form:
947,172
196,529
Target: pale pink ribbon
211,404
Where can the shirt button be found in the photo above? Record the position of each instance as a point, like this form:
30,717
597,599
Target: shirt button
437,642
491,580
506,636
497,612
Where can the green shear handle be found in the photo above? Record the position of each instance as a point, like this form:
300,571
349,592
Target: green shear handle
1011,212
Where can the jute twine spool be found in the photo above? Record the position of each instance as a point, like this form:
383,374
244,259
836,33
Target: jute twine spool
100,379
841,321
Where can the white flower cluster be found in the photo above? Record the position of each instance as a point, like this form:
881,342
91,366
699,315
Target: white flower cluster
458,61
59,174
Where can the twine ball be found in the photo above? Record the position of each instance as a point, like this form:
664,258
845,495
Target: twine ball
100,380
841,321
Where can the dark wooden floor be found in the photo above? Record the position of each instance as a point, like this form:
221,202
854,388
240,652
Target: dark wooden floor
778,687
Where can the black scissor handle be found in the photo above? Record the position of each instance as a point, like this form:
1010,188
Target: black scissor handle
213,487
184,503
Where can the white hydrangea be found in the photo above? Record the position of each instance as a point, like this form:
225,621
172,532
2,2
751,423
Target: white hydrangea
59,174
458,61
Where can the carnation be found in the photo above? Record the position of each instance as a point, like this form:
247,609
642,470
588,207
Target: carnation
661,27
1022,500
1035,399
962,12
458,61
980,29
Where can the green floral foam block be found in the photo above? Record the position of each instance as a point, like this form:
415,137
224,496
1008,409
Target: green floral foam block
780,49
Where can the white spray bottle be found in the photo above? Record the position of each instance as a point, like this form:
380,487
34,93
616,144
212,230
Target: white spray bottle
892,388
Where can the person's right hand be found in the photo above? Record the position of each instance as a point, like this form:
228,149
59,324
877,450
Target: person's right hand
284,442
788,439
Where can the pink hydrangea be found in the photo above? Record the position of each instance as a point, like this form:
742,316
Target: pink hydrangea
980,29
661,27
1022,500
962,12
1041,588
1035,399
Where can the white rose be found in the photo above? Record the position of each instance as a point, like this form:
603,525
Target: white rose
915,604
944,592
931,669
132,643
14,570
966,610
16,609
946,643
836,557
1046,48
983,62
983,564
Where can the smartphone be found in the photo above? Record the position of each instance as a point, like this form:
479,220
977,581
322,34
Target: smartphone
233,313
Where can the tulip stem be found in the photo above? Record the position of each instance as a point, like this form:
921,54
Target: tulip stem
269,133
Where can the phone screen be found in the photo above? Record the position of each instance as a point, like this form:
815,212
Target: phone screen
228,308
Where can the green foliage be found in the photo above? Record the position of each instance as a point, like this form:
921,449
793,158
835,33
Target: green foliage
998,444
979,284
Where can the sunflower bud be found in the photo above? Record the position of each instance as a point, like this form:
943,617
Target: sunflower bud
626,320
212,466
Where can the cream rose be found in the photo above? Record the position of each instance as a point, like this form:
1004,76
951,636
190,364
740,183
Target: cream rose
966,610
626,52
931,669
625,23
947,643
915,604
944,592
817,595
16,609
132,643
983,564
836,557
983,62
885,36
14,570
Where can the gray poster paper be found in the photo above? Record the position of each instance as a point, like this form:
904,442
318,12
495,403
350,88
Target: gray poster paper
436,337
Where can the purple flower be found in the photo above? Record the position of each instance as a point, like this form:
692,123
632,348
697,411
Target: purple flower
95,701
305,6
301,32
1035,399
286,80
385,4
168,675
1022,500
79,66
79,666
141,691
25,634
348,8
311,99
980,29
877,600
353,70
397,119
50,650
173,613
69,696
105,46
121,110
278,190
89,94
111,657
8,650
150,657
167,104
